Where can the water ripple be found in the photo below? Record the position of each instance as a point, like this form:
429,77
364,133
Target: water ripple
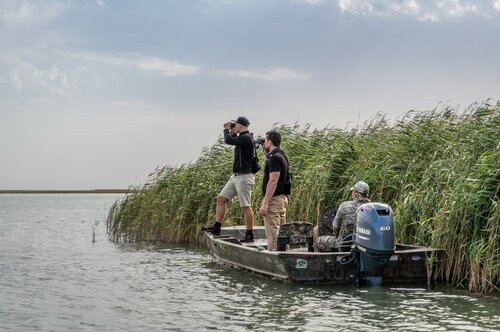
52,277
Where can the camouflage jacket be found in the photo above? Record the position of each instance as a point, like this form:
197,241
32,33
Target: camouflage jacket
345,219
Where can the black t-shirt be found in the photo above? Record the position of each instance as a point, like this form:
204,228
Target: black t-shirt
276,163
243,151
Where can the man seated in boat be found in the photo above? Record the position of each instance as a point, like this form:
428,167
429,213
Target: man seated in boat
345,219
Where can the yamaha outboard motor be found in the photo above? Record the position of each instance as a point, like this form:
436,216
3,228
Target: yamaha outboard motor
373,242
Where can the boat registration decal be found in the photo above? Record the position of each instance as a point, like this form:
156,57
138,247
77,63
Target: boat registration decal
300,263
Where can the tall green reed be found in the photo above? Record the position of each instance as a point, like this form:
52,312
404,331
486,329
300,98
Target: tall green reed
439,170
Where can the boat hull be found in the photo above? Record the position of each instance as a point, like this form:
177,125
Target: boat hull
409,264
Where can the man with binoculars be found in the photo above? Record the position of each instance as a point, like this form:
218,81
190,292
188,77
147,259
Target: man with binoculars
242,180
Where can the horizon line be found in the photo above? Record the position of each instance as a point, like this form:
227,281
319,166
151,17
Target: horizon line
67,191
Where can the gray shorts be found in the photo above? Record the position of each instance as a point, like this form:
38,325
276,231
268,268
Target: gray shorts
240,186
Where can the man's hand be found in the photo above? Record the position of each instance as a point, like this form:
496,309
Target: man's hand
263,208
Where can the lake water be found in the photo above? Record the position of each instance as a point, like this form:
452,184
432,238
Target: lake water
54,278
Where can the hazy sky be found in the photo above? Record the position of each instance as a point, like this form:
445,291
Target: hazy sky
97,94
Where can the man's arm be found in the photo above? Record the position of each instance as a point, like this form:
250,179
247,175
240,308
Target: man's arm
270,189
235,139
337,221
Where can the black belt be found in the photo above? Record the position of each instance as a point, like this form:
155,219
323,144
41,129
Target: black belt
238,174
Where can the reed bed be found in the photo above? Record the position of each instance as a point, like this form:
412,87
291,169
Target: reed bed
439,170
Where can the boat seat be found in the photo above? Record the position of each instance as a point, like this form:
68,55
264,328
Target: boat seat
295,234
325,222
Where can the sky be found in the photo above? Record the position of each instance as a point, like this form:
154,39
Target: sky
97,94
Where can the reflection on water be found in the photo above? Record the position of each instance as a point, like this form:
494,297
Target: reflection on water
52,277
261,304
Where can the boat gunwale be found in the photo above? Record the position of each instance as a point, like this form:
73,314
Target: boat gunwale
410,248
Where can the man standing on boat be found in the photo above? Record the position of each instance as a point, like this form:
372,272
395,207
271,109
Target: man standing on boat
242,180
345,219
275,187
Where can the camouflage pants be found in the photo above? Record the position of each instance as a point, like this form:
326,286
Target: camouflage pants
325,243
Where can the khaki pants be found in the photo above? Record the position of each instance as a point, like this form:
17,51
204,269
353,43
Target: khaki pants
276,216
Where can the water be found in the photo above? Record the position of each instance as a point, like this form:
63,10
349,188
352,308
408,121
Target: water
53,278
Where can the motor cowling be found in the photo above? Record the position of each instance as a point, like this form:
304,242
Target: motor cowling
374,241
375,227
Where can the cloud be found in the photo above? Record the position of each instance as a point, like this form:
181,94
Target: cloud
167,68
22,13
25,75
314,2
274,74
423,10
160,66
173,68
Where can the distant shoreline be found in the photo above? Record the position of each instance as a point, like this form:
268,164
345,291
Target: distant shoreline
94,191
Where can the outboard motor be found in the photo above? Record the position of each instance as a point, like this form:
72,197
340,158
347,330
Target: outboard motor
374,242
